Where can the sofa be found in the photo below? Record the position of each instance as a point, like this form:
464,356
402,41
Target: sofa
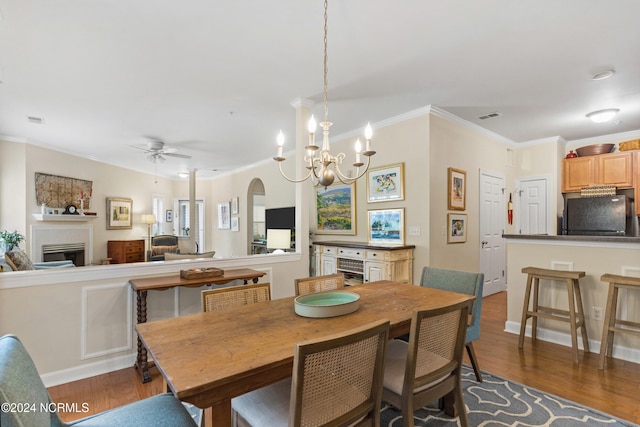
17,260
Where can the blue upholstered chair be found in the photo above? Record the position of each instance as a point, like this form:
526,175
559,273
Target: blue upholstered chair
465,283
20,384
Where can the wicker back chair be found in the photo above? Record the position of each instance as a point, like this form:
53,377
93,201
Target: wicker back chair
234,296
428,367
310,285
337,381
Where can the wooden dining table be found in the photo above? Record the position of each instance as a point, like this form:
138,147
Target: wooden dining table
162,283
209,358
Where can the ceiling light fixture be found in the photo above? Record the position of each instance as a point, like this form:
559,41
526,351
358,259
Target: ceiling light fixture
183,175
320,170
602,75
602,116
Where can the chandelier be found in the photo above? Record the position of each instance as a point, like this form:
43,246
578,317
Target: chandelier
324,167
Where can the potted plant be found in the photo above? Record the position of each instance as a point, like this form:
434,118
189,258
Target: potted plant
11,239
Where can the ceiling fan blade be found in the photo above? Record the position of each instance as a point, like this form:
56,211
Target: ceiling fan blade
181,156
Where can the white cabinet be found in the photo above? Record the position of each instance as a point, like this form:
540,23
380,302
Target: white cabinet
362,263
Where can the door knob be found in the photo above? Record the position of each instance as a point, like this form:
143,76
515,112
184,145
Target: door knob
484,242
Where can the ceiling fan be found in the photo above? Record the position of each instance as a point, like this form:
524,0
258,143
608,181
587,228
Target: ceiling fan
157,150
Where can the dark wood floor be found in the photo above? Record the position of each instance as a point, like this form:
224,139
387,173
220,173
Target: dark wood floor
541,365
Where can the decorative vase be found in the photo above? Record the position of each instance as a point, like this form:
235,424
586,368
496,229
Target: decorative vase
571,155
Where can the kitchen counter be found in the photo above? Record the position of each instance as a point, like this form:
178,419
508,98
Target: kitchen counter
595,255
574,239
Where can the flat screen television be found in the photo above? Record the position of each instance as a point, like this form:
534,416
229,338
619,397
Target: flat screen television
281,218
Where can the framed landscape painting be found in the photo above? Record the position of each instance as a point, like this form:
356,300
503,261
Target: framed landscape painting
457,191
119,211
336,209
385,183
386,226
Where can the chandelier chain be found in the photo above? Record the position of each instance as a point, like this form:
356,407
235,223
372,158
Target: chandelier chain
326,70
323,168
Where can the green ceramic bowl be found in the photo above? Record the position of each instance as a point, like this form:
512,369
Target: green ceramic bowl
327,304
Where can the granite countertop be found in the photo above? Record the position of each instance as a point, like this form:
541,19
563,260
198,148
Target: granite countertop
566,238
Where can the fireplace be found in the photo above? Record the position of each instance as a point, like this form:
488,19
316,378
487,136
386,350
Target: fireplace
65,251
59,242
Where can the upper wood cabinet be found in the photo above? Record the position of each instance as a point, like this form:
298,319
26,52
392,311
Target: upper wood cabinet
606,169
577,173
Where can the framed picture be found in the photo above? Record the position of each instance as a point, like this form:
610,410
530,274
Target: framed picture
336,209
456,228
385,183
169,215
386,226
234,223
224,216
457,191
234,206
119,213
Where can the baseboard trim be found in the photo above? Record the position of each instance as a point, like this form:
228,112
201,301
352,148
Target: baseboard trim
564,338
88,370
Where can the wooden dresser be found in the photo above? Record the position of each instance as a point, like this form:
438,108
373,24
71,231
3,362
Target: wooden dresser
123,251
364,263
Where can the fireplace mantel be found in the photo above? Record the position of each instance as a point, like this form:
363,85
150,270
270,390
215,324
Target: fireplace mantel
52,217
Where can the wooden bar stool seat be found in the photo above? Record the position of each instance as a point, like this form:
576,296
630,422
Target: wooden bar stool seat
613,324
574,316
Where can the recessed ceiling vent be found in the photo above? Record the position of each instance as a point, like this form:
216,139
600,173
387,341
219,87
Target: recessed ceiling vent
35,120
490,115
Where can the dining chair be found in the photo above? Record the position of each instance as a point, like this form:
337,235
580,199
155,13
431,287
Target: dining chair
337,381
234,296
20,385
328,282
465,283
429,366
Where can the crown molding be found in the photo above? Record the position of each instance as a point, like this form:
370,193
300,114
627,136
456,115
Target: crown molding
439,112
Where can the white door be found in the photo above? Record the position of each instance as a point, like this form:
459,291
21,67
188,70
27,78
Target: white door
532,213
492,245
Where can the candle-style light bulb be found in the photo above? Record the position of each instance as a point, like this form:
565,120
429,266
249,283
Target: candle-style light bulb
358,148
280,141
368,131
311,126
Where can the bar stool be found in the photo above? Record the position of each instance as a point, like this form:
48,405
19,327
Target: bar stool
575,313
610,321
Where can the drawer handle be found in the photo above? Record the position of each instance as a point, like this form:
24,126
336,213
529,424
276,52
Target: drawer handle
375,254
357,253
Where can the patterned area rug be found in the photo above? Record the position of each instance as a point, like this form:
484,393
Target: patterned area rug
498,402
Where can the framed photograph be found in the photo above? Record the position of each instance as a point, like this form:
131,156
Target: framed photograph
234,223
385,183
234,206
456,228
336,209
224,216
119,213
457,191
386,226
169,215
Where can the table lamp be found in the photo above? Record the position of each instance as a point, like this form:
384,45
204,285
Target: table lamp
149,219
278,239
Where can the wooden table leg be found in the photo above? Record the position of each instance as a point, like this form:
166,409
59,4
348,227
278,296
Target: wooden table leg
219,415
141,359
